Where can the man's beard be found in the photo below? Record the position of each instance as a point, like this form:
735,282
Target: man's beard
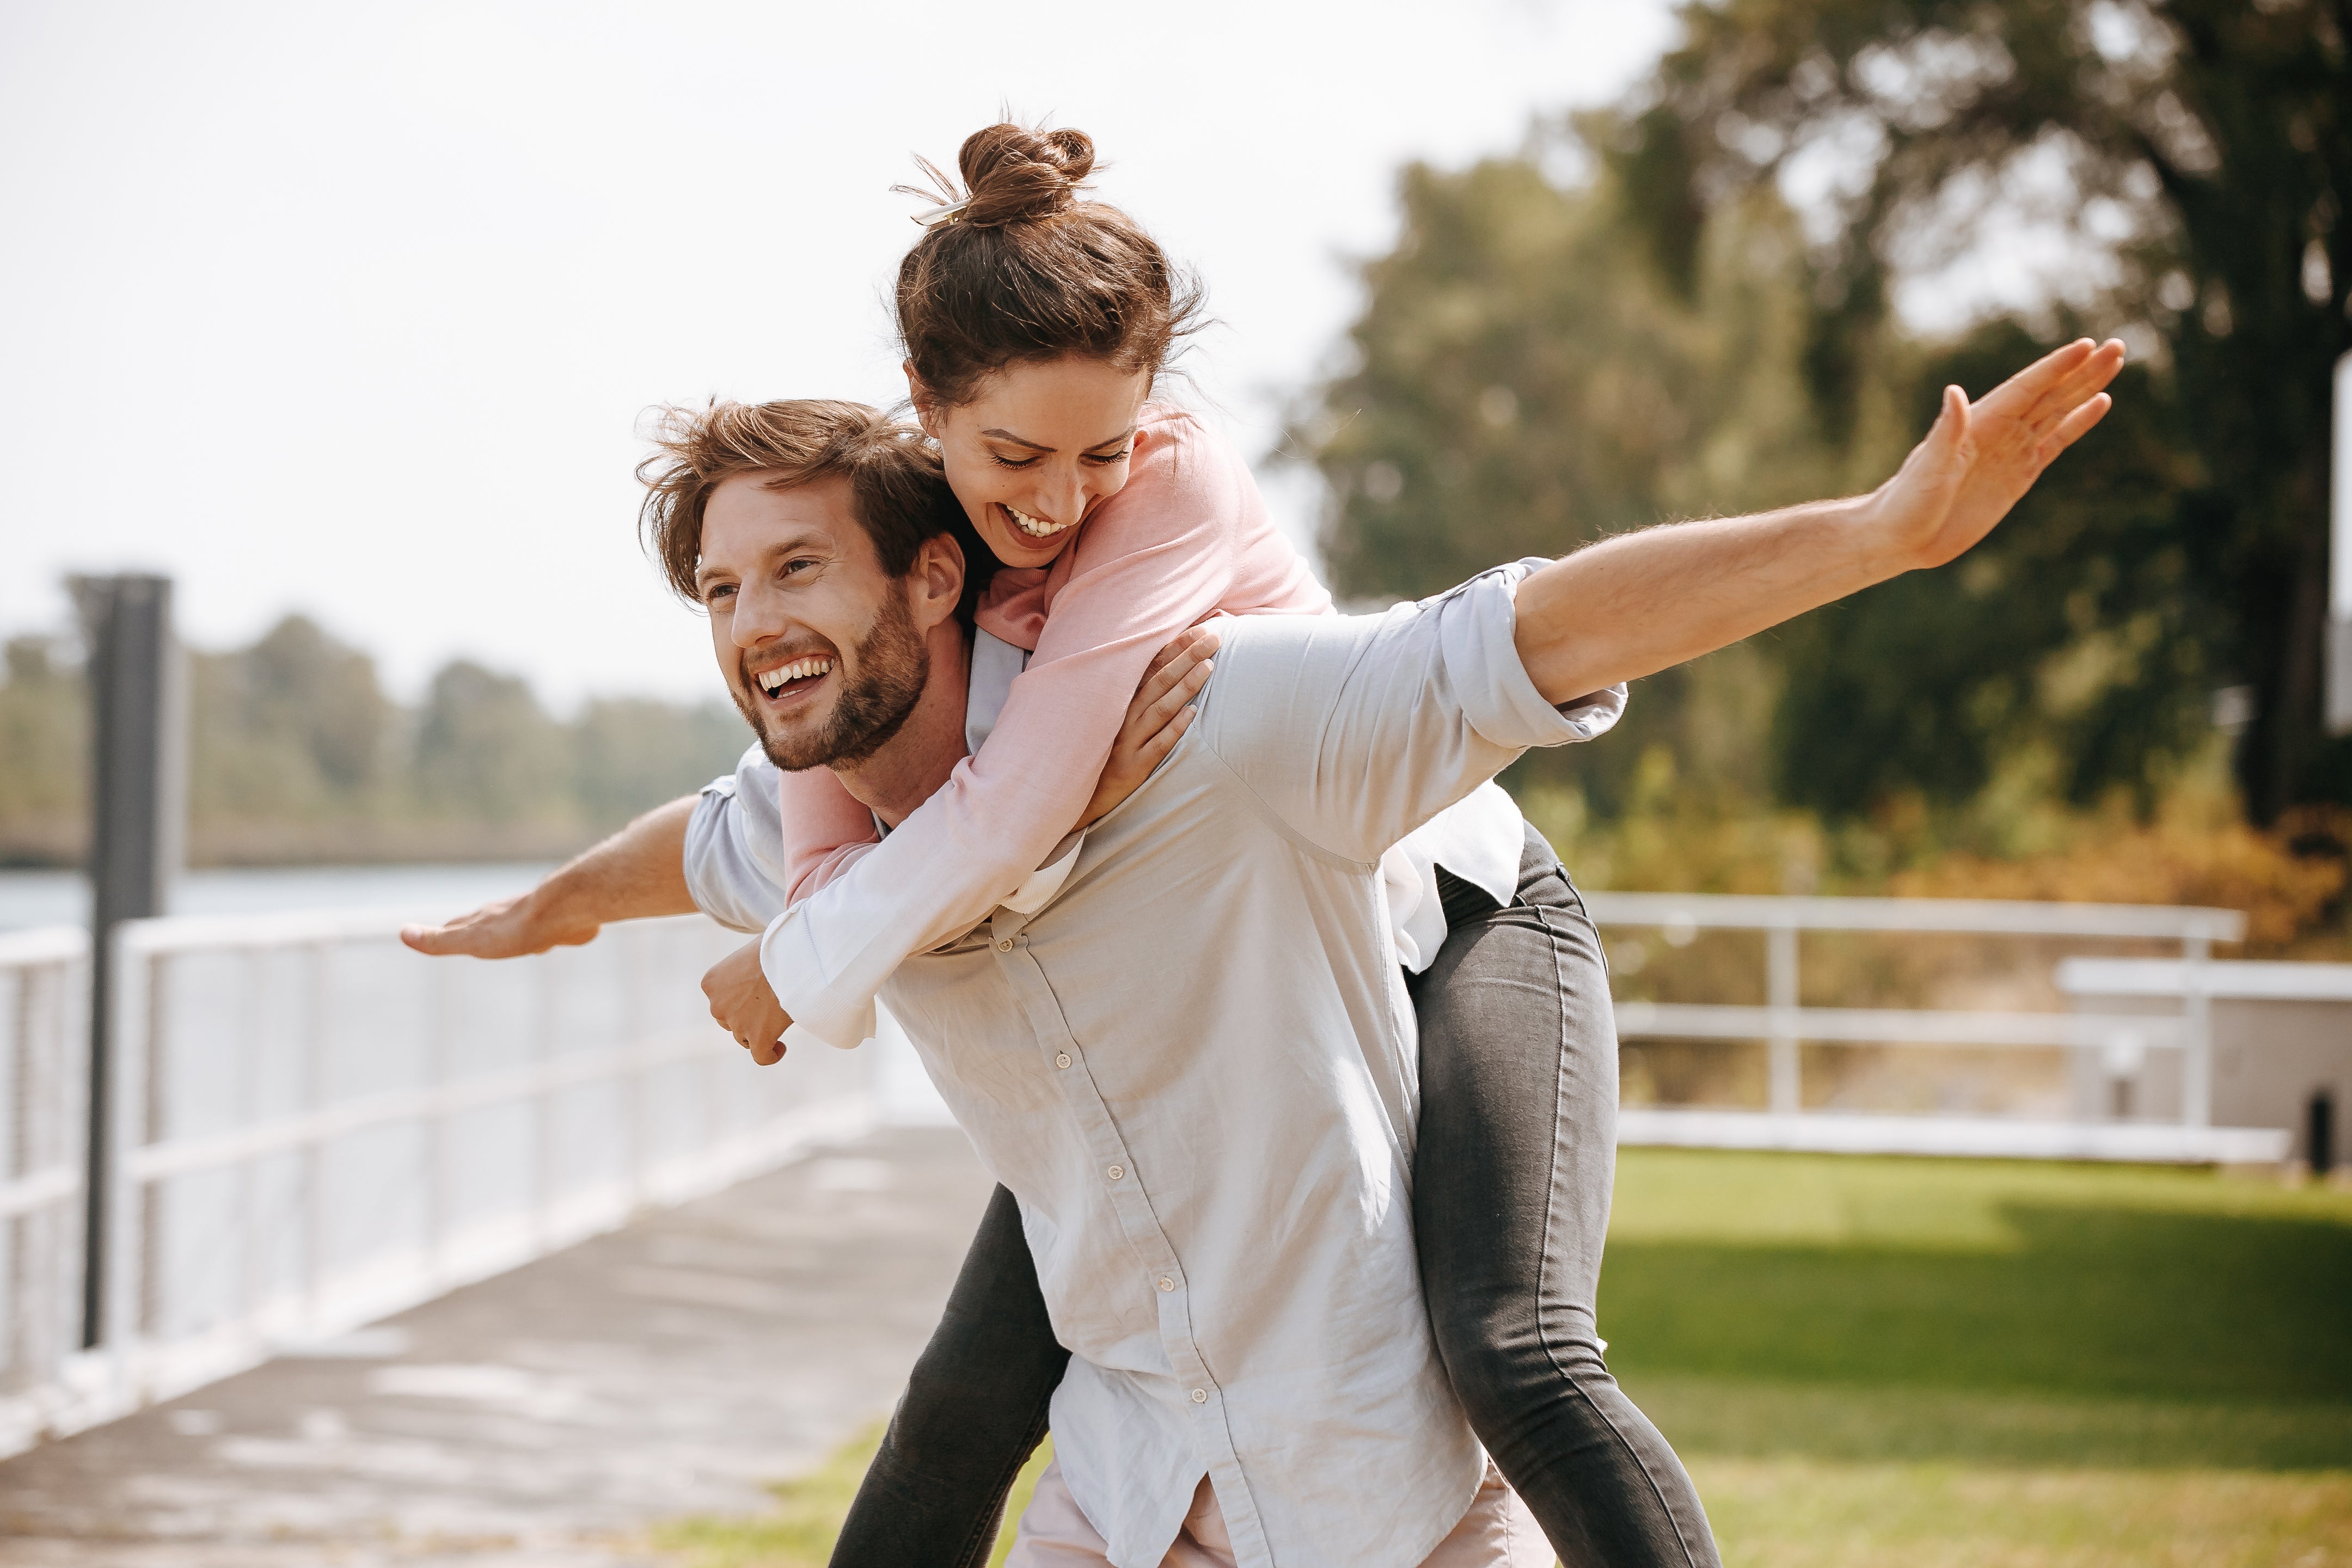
892,666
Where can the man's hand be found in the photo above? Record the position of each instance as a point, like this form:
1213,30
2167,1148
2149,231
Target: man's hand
1978,459
511,928
745,1006
637,873
1157,719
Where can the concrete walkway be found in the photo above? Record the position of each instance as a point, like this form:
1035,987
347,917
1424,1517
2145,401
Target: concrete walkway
544,1418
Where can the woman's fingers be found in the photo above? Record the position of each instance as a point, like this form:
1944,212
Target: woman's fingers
1172,701
1173,669
1187,642
1153,750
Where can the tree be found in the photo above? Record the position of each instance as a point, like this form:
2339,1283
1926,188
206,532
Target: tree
292,728
634,753
44,754
486,752
2199,150
1524,382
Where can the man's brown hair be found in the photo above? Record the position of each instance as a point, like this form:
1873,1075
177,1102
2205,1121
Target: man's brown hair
898,491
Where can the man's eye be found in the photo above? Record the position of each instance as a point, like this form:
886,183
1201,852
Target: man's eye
799,563
717,592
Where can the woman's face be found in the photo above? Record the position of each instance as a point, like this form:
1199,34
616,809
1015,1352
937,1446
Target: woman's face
1036,450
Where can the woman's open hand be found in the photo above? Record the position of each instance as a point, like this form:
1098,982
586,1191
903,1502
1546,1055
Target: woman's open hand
1156,720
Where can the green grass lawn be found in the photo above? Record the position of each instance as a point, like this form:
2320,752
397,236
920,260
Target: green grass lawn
1944,1364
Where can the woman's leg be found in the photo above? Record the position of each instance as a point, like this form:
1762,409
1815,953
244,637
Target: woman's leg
1516,1155
973,1412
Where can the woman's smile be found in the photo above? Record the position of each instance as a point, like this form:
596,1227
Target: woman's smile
1034,527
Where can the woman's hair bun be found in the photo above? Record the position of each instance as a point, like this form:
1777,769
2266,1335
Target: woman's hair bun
1015,175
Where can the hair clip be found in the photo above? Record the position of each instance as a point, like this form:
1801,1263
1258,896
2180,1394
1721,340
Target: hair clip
940,214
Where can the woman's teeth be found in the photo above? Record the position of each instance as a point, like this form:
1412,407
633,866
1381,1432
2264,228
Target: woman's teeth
773,680
1034,527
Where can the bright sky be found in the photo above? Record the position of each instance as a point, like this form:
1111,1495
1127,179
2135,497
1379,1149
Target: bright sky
354,309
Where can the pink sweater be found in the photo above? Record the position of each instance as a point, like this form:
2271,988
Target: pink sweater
1187,539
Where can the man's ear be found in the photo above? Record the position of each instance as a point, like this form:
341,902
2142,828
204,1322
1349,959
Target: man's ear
935,585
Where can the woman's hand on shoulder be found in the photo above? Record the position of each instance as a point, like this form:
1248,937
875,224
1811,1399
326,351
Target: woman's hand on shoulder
1156,720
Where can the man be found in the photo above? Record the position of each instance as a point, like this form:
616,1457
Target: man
1186,1052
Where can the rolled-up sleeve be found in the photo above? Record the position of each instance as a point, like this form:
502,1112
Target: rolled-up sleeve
1482,657
1355,730
734,847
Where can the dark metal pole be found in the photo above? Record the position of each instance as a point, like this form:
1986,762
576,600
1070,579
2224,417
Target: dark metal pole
134,812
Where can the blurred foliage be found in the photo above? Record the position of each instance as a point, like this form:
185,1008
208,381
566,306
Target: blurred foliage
297,754
1628,322
2199,152
44,754
1524,382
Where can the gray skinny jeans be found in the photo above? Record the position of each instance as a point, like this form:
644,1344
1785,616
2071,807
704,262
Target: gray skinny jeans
1511,1183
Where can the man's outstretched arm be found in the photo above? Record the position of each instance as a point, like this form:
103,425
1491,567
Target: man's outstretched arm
1640,603
638,872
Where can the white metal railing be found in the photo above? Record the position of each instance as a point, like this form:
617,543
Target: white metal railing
312,1126
1784,1024
43,1081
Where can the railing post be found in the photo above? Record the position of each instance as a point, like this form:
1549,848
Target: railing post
432,1184
134,832
1785,1091
2196,1031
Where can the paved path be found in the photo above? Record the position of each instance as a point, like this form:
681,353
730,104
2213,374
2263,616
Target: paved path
542,1419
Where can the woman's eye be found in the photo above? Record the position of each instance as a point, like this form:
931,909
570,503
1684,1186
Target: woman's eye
1004,462
1106,459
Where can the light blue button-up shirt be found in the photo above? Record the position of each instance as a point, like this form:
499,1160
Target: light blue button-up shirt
1193,1069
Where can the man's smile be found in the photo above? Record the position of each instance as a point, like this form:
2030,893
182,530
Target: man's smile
790,683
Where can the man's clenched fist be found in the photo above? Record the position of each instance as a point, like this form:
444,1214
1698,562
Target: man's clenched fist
745,1006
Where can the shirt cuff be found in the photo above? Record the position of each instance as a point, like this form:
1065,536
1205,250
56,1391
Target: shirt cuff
796,974
1498,697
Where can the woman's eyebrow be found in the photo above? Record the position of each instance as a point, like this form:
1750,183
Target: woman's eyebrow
1016,440
1035,447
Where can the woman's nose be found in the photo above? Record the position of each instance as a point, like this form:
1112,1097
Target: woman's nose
1065,499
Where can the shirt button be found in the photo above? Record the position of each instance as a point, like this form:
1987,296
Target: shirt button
1117,1171
1005,945
1061,1058
1166,1283
1200,1396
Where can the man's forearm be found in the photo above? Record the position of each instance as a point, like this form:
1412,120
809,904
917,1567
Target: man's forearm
1640,603
637,873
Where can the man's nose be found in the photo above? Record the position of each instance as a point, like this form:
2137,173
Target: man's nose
759,617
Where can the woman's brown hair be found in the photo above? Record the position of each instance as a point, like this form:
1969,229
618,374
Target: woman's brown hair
1023,269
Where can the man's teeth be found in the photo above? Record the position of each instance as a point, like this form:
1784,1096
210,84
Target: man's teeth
772,680
1036,527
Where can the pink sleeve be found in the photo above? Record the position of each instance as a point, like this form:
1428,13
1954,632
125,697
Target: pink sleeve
824,827
1159,557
